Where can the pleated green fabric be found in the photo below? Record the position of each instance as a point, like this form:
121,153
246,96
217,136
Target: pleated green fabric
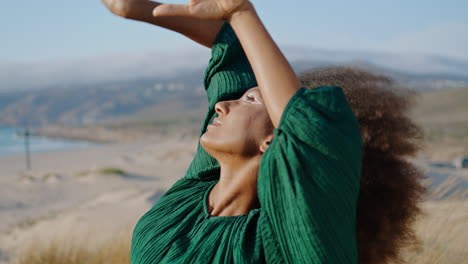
308,184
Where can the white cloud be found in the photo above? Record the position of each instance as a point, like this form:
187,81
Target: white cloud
446,38
110,67
121,67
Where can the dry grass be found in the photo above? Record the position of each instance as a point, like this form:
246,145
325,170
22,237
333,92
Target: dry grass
443,231
102,171
77,250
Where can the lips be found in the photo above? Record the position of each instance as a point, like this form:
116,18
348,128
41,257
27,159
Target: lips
216,122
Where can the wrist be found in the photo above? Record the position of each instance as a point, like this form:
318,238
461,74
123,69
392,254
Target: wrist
245,7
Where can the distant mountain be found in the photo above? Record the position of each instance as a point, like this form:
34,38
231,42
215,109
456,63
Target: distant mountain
413,64
95,103
443,108
141,85
443,115
430,71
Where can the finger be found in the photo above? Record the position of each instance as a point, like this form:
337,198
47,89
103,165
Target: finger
171,10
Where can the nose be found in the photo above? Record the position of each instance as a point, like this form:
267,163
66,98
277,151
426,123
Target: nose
222,107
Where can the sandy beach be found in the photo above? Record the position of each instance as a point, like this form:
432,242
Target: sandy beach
95,191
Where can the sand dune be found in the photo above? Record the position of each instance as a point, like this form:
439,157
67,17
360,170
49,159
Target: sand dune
93,192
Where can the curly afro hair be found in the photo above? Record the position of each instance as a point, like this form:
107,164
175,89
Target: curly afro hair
391,188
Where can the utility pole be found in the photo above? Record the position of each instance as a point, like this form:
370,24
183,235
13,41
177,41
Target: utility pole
26,145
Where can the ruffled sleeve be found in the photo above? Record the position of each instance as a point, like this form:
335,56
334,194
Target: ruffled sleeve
227,76
308,182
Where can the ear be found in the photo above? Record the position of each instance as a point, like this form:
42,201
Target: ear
265,143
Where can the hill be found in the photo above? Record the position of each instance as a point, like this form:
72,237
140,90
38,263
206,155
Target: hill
145,98
444,117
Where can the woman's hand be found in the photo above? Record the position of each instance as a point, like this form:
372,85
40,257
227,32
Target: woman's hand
206,9
125,8
202,31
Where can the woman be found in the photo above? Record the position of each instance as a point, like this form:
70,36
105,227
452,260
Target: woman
276,177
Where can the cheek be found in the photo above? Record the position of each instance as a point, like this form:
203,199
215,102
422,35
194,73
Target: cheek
255,127
241,131
261,123
235,134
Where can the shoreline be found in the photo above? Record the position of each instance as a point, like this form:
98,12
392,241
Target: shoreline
108,134
86,189
90,134
94,135
14,142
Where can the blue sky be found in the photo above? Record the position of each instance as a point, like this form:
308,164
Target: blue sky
34,31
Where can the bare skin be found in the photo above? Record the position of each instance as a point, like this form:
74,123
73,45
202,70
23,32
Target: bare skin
238,137
239,159
275,76
202,31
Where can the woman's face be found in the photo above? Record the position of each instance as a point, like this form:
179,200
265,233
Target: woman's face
241,127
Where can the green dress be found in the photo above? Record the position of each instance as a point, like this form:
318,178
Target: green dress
308,184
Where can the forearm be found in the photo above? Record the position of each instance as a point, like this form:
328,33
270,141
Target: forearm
202,31
275,76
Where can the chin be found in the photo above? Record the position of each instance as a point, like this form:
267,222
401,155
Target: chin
203,140
215,145
207,142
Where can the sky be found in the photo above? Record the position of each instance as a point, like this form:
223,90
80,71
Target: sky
53,30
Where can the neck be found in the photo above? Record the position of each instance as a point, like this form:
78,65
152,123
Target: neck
236,191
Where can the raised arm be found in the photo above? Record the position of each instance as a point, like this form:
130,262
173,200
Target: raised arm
276,78
202,31
308,180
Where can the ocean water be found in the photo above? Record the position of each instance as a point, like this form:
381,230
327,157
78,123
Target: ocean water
13,144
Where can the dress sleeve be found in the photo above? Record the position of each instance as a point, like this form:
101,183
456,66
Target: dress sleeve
227,76
308,182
